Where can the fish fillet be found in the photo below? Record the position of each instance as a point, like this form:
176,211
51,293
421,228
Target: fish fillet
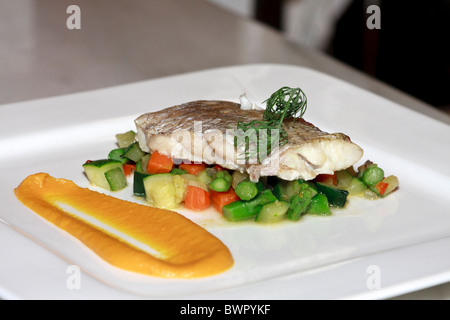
203,131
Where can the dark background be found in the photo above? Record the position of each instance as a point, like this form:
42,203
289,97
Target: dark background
411,51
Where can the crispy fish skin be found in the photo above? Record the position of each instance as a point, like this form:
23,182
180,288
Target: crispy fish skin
203,131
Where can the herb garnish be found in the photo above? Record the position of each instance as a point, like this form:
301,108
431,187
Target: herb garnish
286,103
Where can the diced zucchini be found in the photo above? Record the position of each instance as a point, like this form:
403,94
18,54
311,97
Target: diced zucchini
356,187
116,178
319,205
272,212
309,187
344,178
138,183
278,191
141,165
284,190
133,152
164,190
125,139
116,154
336,196
266,196
95,171
370,194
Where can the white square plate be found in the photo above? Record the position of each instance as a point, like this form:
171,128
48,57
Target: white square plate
317,257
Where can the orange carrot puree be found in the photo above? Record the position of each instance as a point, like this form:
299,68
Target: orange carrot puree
188,250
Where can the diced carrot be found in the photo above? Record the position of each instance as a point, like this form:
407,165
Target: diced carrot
221,199
218,168
128,168
159,163
192,168
327,178
197,199
381,187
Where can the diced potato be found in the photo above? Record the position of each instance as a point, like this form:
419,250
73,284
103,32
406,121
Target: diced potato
164,190
180,184
193,180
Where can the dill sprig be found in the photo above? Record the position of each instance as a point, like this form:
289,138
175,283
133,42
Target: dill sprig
285,103
263,136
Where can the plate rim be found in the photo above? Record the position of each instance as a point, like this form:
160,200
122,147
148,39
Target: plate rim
203,71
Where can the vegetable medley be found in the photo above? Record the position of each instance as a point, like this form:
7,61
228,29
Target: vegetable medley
198,186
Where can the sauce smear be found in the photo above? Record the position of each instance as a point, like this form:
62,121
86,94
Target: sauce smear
185,249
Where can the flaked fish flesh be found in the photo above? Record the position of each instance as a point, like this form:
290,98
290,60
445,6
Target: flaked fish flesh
205,131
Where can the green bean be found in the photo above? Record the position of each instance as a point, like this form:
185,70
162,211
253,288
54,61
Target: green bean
372,175
224,175
219,185
246,190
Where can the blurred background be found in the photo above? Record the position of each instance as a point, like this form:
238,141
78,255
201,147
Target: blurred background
40,57
410,51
